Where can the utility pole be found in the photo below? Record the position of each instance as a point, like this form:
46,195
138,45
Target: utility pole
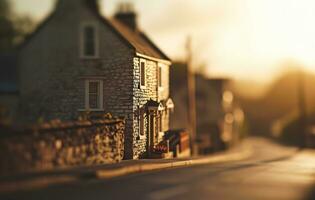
302,107
191,96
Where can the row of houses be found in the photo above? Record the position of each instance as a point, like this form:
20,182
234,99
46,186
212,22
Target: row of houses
78,62
219,117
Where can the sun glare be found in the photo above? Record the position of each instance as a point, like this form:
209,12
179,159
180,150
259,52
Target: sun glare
239,38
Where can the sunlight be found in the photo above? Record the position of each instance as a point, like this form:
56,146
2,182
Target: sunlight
286,29
243,39
264,34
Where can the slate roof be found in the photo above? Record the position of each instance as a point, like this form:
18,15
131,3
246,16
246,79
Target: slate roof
136,39
139,41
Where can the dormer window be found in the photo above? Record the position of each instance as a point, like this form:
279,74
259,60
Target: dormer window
89,41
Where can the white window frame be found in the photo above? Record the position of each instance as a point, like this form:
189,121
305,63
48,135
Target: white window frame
96,41
145,73
87,96
160,77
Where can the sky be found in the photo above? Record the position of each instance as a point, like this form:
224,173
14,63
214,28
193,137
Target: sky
241,39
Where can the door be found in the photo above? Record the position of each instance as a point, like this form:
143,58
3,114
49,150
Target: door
151,133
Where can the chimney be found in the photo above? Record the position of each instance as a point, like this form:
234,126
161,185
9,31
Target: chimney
70,4
127,15
93,5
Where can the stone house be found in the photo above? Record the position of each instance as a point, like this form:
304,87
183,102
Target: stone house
77,61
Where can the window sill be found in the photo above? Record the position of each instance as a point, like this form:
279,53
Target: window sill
142,87
89,57
91,110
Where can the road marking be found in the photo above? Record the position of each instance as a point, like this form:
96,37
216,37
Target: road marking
168,193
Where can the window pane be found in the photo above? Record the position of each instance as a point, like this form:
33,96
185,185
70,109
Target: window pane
89,41
160,76
94,87
142,74
93,101
94,95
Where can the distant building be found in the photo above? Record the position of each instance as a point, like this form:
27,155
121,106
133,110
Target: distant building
77,61
218,116
179,94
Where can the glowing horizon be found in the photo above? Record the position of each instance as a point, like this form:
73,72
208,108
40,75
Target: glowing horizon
244,39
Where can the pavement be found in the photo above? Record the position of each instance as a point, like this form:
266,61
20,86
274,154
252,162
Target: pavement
38,180
267,171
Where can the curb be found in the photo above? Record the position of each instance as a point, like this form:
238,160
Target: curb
138,168
42,182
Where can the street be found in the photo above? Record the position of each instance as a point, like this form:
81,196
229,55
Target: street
271,172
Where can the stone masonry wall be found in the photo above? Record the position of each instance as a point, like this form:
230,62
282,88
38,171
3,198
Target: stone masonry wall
61,144
53,75
140,98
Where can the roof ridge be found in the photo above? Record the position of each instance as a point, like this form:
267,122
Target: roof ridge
137,40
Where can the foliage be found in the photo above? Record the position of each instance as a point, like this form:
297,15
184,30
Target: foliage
5,8
160,148
280,101
13,28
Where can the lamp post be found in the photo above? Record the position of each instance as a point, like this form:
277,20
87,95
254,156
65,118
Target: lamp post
302,108
191,97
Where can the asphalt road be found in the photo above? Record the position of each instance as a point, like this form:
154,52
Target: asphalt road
272,172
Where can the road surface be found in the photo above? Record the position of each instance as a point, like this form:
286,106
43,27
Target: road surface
272,172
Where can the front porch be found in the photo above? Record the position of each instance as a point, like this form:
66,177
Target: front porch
154,126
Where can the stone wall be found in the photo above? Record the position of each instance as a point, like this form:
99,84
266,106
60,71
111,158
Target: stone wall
61,144
142,96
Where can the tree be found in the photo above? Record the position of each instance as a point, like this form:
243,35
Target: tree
5,8
13,28
7,32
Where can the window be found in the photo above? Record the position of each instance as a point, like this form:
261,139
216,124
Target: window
89,41
142,123
142,73
94,95
160,76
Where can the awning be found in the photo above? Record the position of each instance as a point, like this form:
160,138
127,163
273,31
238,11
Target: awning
154,105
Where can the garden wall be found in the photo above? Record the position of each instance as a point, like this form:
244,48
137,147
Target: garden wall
61,144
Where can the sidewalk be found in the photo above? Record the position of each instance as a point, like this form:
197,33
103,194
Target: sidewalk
64,176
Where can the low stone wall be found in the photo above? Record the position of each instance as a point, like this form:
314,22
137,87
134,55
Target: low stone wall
61,144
